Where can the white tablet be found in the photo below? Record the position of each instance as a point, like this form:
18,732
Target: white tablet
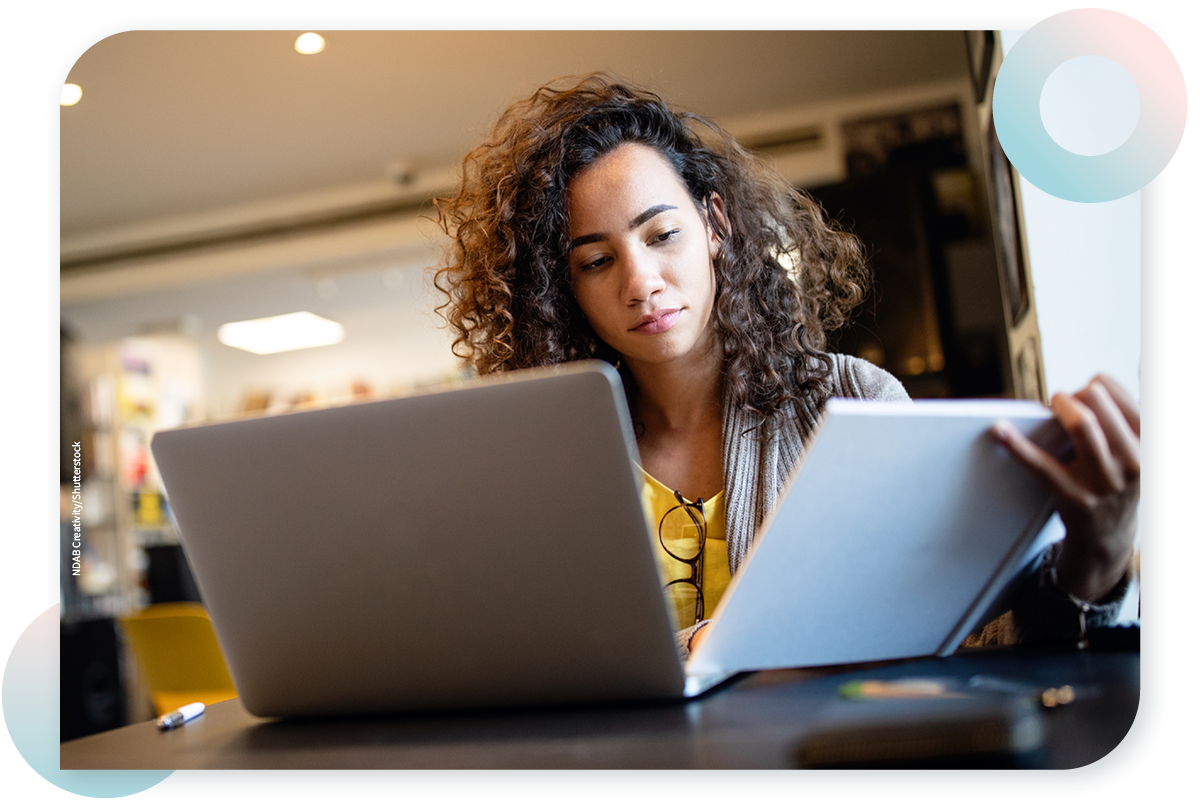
898,529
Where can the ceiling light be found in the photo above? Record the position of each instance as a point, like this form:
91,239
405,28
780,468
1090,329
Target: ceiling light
70,94
310,43
285,332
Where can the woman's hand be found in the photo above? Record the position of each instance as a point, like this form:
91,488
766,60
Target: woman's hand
1097,490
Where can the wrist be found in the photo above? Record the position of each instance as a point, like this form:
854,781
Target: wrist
1089,574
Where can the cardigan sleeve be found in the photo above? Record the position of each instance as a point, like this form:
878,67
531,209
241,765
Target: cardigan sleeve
1042,613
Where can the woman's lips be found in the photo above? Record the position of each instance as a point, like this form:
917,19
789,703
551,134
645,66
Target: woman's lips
657,322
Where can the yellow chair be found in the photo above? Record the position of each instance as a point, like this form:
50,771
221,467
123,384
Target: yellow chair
178,655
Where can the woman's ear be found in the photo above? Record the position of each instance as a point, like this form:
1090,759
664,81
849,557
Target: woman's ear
718,223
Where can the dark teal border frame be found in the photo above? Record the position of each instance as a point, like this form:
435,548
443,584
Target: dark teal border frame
1113,770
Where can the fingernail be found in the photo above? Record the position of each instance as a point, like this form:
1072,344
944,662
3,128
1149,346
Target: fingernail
1002,431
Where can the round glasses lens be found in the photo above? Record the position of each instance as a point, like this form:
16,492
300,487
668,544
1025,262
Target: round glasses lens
683,599
681,535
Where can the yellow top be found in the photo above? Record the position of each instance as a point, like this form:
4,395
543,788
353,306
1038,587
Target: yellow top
658,500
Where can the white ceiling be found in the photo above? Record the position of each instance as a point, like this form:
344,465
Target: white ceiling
182,122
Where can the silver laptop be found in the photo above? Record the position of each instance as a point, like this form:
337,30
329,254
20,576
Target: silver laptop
481,546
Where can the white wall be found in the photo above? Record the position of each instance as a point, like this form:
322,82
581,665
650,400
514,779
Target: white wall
1086,265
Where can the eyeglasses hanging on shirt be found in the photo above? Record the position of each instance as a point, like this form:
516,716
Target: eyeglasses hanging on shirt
682,532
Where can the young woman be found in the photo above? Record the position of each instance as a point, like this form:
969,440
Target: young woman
596,222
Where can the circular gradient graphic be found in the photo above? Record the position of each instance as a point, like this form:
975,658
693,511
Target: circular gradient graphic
1017,113
31,706
1090,105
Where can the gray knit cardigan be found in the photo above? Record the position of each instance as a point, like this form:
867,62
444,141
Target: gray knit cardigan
757,467
757,470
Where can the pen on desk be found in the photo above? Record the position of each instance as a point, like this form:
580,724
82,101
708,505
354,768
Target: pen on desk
179,716
903,689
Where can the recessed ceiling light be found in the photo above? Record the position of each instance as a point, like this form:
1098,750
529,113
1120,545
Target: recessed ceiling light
310,43
285,332
71,94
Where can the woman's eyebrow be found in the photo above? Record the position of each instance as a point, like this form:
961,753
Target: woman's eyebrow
640,219
648,213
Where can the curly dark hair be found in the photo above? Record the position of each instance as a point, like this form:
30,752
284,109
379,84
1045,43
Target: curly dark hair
505,274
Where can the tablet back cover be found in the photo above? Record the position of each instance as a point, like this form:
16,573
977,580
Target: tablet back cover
896,531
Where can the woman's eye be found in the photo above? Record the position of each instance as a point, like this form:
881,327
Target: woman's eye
595,262
665,235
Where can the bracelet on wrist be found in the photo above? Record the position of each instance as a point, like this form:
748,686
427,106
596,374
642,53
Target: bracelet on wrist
1082,606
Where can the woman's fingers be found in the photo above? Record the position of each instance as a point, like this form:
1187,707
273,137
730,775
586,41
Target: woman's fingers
1094,461
1097,487
1122,441
1040,462
1102,421
1125,402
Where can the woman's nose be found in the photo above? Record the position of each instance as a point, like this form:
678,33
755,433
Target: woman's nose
641,277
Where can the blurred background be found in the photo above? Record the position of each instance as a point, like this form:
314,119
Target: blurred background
217,177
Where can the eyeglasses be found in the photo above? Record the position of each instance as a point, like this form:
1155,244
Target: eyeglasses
686,592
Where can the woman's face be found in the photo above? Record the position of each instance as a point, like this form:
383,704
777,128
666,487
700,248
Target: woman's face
641,257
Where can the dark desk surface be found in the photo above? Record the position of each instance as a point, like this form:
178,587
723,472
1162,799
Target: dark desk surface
755,722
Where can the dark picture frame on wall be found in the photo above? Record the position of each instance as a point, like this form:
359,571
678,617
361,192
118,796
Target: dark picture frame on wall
1009,248
980,47
1027,377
